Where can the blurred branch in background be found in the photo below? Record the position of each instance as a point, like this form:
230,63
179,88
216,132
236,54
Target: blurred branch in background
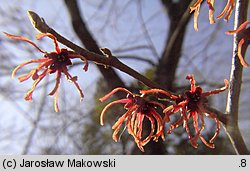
36,121
80,27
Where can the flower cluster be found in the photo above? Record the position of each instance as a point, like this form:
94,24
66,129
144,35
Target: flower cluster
137,109
191,107
244,40
52,62
227,11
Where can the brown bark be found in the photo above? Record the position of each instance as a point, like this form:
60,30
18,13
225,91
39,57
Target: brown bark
232,128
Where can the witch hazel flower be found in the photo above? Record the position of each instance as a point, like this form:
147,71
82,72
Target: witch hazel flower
196,9
51,62
191,105
244,40
138,108
227,11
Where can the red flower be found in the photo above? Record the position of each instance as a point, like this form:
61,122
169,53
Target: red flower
53,62
196,9
192,105
244,39
226,11
138,108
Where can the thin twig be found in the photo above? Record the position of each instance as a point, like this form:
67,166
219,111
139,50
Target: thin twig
41,26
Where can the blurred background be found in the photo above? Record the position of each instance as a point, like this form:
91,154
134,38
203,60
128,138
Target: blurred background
139,33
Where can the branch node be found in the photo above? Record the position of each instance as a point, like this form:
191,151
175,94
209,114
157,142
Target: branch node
106,52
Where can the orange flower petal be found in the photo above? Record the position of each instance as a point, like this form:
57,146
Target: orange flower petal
28,95
144,92
108,106
138,141
23,39
216,91
58,77
197,3
168,112
208,144
115,133
227,10
73,79
55,101
32,73
113,92
86,65
41,35
192,82
28,62
241,58
196,14
217,130
240,28
147,139
211,11
160,127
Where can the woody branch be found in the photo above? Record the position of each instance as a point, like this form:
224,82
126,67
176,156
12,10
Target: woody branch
232,108
107,59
